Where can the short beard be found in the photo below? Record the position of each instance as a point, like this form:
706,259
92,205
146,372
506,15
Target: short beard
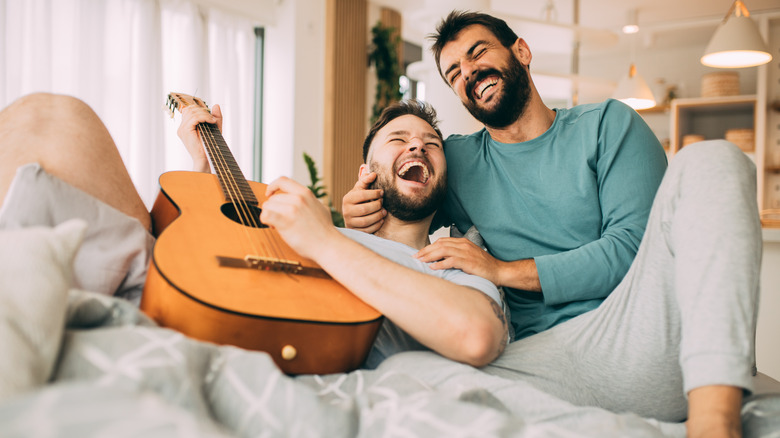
404,207
511,102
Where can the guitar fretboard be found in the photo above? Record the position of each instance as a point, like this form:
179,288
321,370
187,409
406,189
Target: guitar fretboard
234,186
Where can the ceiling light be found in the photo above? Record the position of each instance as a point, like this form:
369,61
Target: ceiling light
633,91
632,25
737,42
630,28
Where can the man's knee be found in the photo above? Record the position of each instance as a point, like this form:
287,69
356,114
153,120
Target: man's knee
43,99
36,110
715,156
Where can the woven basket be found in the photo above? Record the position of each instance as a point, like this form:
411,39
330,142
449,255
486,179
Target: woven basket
744,138
691,138
720,83
770,218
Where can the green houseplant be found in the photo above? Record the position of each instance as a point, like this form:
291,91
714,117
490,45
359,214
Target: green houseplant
382,54
319,190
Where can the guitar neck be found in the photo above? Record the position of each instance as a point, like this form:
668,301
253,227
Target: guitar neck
234,186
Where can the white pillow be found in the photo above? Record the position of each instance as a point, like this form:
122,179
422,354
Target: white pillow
35,276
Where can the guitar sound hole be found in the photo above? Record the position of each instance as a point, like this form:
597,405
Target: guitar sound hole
243,214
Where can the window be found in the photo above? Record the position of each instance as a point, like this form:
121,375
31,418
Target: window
257,149
410,88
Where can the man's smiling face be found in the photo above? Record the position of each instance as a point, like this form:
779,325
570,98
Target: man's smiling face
408,158
487,77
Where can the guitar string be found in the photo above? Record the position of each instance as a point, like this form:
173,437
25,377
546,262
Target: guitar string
274,243
232,185
275,249
229,185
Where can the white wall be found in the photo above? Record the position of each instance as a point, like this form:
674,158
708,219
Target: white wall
294,90
678,65
768,335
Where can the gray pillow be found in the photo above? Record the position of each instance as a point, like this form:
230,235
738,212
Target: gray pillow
35,277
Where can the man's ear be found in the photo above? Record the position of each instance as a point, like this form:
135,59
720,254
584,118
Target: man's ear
522,52
363,170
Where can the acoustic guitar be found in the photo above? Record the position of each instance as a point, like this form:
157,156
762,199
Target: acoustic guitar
219,274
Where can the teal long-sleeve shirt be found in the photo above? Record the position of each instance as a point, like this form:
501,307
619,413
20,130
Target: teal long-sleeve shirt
575,199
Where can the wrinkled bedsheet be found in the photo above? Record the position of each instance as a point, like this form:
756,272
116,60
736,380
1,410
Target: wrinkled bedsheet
119,375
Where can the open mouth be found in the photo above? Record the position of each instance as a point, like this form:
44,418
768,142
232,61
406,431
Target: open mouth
481,87
482,82
415,171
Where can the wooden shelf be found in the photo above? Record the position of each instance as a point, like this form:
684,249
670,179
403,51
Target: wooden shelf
771,234
710,116
716,102
655,109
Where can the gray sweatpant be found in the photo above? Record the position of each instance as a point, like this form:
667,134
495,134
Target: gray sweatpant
684,315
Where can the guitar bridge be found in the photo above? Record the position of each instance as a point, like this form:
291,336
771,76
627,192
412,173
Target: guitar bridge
271,264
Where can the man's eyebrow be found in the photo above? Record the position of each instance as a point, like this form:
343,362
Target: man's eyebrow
403,132
469,52
432,135
399,132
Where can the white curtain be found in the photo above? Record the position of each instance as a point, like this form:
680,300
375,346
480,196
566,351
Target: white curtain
122,57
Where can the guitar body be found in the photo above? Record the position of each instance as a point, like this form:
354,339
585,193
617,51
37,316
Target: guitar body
308,325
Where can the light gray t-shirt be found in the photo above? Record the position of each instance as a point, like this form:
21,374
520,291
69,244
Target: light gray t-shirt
391,339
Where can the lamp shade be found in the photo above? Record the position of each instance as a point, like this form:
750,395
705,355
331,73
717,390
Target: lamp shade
736,44
633,91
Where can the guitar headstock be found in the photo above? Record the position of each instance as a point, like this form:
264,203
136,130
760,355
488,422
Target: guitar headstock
179,101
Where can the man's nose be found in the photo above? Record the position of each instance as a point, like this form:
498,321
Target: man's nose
416,144
467,70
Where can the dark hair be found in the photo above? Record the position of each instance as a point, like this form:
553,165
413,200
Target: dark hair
449,28
412,107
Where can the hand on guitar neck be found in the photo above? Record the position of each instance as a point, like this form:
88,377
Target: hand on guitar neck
189,135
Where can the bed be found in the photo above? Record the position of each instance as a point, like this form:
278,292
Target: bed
76,363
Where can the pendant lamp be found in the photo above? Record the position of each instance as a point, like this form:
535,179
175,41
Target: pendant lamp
633,91
632,88
737,42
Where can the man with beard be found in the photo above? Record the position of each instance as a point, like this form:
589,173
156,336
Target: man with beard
562,199
455,314
57,148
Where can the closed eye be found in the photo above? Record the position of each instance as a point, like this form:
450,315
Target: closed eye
453,77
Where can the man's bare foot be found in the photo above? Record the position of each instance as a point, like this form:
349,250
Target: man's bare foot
714,412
